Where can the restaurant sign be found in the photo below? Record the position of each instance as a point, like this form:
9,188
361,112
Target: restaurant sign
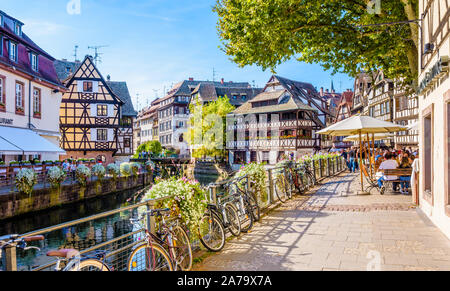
6,121
436,71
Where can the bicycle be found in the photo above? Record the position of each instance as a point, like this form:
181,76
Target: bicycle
301,177
74,261
216,220
167,250
283,184
248,208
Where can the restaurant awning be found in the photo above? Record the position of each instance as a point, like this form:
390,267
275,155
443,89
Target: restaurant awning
26,142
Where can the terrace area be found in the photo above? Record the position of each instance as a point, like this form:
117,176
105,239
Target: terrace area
334,229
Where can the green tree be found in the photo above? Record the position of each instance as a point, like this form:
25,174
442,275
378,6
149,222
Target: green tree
207,125
153,146
338,34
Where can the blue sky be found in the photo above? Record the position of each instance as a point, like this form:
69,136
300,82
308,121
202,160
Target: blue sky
151,44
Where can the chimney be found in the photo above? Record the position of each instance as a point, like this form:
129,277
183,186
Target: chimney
321,91
191,79
222,81
326,91
108,78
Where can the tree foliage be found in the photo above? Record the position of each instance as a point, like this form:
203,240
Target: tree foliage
332,33
154,147
207,125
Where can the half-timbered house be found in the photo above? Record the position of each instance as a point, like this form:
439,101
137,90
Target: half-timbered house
343,111
434,112
127,116
90,115
282,121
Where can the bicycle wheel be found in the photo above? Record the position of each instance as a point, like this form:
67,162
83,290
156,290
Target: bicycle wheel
280,188
89,265
246,217
211,233
289,185
181,248
149,258
255,211
234,224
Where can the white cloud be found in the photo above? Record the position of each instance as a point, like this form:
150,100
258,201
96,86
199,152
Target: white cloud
43,28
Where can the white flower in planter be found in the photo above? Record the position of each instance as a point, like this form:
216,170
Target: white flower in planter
25,180
99,171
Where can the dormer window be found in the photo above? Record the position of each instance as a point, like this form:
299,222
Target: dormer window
17,29
34,62
13,51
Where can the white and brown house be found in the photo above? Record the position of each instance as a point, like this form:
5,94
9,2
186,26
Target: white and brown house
30,96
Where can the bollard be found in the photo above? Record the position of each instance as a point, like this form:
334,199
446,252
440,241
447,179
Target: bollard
320,169
328,167
271,196
151,221
213,195
9,259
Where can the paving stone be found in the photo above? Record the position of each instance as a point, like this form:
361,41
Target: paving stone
333,232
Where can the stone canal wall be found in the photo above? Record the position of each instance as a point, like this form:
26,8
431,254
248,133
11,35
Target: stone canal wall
14,204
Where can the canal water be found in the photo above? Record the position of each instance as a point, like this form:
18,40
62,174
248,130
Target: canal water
81,236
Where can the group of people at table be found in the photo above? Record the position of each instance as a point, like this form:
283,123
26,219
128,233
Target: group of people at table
388,159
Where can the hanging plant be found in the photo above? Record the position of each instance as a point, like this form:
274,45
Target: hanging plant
56,176
99,171
113,170
25,181
125,170
257,176
135,167
188,202
82,173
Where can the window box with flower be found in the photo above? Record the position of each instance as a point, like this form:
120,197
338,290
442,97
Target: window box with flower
2,107
37,114
20,111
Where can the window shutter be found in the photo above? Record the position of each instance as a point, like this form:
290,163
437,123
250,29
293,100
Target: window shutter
93,110
93,134
111,134
95,87
110,110
80,86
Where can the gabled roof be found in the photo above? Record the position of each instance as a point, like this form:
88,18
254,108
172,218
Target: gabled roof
300,90
211,91
46,71
121,90
292,103
186,87
65,69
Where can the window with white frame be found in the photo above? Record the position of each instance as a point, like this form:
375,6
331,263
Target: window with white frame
36,101
34,62
2,91
13,51
19,97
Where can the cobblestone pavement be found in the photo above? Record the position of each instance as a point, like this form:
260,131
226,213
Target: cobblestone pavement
335,229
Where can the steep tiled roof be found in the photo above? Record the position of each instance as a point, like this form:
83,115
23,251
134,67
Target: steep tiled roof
46,71
292,103
121,90
65,69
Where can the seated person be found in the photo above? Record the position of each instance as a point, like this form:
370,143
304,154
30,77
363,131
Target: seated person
389,164
405,164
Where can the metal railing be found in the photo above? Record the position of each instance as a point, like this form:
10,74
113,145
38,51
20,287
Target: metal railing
113,233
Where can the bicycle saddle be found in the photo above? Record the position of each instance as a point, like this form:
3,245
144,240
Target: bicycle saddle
64,253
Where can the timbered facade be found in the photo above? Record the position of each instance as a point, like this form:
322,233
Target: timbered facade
434,113
406,113
277,123
344,111
90,115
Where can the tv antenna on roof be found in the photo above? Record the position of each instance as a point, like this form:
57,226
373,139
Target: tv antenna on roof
97,55
75,53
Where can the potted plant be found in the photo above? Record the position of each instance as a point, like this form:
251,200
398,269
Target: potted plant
99,171
82,173
113,170
56,176
58,163
48,163
25,181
